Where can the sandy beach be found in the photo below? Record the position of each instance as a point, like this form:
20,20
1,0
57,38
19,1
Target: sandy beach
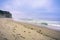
14,30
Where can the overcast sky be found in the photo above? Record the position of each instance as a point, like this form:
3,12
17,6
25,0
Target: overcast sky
36,9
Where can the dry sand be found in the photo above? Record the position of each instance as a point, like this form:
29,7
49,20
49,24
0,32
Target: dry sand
13,30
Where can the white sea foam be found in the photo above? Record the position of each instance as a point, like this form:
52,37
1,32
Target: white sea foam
54,25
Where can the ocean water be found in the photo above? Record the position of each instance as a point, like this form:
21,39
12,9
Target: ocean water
54,25
38,21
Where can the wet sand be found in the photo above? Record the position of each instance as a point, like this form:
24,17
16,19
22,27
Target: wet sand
13,30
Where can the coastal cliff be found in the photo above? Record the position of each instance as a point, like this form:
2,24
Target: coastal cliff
5,14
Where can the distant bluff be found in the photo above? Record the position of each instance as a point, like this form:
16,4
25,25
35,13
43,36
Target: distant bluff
5,14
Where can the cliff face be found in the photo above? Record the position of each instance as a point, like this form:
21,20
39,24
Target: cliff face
5,14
